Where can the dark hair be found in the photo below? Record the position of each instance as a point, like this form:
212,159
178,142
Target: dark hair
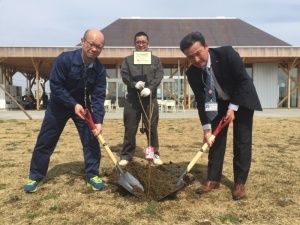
141,33
190,39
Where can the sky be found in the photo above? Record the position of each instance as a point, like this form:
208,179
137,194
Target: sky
50,23
62,22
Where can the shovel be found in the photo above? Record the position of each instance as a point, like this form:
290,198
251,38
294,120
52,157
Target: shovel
126,179
223,123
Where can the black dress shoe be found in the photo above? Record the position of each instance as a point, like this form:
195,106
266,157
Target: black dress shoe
208,186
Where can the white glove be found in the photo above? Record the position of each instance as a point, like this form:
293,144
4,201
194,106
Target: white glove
145,92
140,85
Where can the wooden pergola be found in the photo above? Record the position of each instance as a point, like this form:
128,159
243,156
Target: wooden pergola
35,63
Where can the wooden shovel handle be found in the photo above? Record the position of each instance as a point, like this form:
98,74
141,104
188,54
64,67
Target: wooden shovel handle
223,123
109,152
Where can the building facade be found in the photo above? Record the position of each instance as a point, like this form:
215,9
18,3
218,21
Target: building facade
273,64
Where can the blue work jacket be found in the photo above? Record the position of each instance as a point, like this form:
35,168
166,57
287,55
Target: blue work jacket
68,81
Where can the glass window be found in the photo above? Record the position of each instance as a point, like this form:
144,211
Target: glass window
111,70
283,87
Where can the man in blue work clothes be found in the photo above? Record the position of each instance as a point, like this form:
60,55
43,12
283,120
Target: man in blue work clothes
77,81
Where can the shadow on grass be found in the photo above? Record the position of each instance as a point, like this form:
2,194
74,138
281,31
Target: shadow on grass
74,168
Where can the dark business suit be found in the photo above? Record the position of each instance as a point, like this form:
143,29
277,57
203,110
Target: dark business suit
232,77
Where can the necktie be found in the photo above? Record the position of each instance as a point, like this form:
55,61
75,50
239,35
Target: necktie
210,94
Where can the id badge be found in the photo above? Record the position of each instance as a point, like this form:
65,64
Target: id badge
211,106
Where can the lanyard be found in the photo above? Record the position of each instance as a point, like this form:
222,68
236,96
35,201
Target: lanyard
84,77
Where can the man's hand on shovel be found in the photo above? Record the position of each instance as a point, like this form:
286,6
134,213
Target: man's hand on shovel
97,130
83,114
207,133
207,139
79,111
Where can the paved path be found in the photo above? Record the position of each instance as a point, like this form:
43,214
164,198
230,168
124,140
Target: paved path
19,114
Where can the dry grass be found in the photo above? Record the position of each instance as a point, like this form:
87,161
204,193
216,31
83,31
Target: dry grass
273,184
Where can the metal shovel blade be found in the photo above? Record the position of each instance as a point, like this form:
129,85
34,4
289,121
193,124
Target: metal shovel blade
122,181
180,178
173,192
128,181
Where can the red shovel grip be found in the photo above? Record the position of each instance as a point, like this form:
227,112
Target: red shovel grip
223,123
88,118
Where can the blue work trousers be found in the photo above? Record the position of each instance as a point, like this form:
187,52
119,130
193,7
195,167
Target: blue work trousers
53,124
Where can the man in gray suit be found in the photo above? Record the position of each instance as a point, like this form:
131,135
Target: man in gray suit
235,97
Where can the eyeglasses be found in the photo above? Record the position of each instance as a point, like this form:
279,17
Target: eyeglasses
141,42
92,45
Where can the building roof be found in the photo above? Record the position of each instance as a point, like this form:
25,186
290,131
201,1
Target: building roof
168,32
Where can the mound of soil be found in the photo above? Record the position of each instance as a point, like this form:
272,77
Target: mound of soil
159,182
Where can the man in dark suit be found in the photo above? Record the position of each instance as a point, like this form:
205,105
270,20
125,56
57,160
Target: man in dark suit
236,97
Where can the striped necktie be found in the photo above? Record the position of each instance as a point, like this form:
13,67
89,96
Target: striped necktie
210,94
